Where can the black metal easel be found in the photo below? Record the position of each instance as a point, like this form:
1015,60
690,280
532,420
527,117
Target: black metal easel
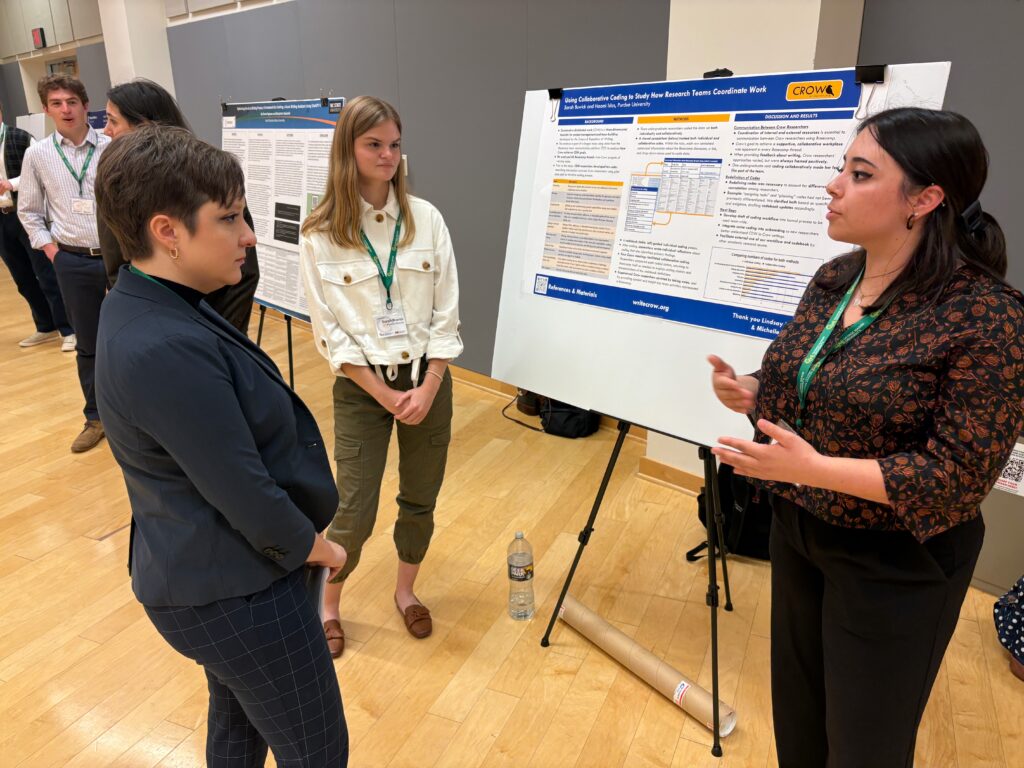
288,325
714,525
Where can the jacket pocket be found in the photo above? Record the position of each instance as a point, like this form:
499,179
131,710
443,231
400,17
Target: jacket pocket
351,291
416,268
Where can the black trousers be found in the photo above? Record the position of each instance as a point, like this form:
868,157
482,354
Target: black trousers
270,676
83,284
860,622
33,276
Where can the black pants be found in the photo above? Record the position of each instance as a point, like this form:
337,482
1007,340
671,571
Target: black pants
270,676
83,284
860,622
33,276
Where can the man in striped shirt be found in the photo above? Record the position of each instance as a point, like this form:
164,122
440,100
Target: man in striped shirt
32,272
57,206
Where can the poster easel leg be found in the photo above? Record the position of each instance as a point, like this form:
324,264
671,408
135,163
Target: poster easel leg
716,507
584,536
291,365
712,521
259,331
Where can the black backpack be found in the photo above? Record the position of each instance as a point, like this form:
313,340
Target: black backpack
564,420
746,520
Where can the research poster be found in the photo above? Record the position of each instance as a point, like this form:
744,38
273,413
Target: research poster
284,148
699,202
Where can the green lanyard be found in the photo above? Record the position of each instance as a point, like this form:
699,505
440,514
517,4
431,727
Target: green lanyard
385,277
812,363
79,177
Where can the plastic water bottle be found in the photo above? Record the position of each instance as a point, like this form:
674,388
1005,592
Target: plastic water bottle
520,578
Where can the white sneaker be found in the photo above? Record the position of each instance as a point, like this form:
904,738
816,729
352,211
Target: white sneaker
68,344
39,337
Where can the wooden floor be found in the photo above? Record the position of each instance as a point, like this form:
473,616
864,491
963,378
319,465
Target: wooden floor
86,681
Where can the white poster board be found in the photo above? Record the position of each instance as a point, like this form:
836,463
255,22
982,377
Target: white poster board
656,223
284,148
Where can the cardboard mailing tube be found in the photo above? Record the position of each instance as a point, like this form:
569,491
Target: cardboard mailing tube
685,693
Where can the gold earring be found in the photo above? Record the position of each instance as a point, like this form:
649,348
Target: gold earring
174,251
910,220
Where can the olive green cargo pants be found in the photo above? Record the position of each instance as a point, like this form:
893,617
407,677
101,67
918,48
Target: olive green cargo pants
362,432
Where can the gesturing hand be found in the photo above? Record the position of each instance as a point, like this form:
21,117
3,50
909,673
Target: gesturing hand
789,459
735,393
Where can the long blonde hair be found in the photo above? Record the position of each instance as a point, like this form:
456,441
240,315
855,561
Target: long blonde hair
339,212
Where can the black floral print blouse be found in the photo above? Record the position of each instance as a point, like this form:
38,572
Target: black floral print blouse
934,392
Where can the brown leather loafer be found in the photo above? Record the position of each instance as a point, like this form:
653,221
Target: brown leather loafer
335,637
417,620
1017,668
90,435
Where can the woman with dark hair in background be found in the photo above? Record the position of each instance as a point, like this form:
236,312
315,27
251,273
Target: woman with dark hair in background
886,410
142,101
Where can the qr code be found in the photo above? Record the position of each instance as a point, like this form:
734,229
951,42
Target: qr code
541,285
1014,470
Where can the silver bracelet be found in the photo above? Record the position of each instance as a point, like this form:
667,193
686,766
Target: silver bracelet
435,373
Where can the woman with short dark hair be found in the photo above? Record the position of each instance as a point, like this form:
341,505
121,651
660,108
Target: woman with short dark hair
886,410
139,102
227,475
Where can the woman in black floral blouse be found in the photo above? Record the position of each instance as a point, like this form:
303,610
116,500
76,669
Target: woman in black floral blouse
885,411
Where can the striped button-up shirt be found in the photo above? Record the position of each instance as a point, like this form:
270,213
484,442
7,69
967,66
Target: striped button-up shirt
46,185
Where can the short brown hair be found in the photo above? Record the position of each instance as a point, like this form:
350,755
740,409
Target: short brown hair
161,169
61,83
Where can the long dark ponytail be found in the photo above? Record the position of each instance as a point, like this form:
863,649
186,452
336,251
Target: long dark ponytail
944,148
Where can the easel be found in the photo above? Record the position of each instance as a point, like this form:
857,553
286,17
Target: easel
288,326
714,535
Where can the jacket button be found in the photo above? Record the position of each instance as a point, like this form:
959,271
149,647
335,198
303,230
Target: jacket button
347,278
379,217
269,551
426,265
405,355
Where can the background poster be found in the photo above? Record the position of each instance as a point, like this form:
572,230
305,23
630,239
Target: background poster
284,148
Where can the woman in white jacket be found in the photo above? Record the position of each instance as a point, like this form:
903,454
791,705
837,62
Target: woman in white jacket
384,302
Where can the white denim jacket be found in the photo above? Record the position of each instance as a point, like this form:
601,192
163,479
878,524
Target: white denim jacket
345,293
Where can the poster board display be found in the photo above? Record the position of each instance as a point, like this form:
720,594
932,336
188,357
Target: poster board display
284,148
656,223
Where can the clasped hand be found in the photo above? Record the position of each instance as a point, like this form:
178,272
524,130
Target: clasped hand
412,406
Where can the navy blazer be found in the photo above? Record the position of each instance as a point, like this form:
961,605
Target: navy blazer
226,469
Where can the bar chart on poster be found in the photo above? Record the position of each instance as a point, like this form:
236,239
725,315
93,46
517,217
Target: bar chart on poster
655,223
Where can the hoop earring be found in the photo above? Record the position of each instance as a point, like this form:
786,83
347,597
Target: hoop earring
174,251
910,220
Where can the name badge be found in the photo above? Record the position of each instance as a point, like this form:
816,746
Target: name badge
390,324
83,205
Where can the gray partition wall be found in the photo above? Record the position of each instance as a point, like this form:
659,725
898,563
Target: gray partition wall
455,69
982,40
94,74
14,103
3,102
